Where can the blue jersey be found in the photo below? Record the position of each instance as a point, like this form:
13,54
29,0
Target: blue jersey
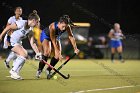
45,34
116,40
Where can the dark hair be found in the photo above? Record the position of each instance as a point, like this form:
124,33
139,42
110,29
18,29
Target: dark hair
17,8
34,15
66,19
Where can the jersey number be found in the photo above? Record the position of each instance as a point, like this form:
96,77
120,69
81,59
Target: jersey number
23,32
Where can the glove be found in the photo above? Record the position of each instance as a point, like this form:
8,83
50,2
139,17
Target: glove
38,56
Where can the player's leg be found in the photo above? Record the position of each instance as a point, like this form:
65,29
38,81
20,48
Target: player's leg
14,59
113,47
10,57
54,60
14,62
112,54
119,50
20,60
19,68
46,46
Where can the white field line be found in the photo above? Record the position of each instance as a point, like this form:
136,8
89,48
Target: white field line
103,89
66,70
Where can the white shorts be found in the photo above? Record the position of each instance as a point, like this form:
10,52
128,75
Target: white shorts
14,42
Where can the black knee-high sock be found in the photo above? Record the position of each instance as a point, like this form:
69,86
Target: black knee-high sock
120,56
42,64
52,63
112,56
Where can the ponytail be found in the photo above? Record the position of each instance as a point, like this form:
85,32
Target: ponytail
34,15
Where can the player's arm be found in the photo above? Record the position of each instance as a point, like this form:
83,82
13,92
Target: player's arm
12,26
72,39
53,38
38,55
32,42
9,22
54,41
122,35
110,34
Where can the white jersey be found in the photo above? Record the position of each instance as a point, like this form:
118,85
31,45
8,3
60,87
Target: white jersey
11,20
20,33
117,34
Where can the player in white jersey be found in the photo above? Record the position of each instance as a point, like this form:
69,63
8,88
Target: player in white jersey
11,20
115,36
23,28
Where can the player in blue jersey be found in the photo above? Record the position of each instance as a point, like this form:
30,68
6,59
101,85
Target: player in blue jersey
115,36
50,38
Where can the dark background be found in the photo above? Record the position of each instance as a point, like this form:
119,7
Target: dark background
125,12
101,13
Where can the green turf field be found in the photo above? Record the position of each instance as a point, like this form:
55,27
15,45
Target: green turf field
87,76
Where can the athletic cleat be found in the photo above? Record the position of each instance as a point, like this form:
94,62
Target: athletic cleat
48,74
16,78
6,64
20,78
38,73
14,75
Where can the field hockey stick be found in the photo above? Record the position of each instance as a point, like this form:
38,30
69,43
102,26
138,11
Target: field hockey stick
63,65
65,77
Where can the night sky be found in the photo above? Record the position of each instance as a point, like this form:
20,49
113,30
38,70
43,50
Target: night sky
125,12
